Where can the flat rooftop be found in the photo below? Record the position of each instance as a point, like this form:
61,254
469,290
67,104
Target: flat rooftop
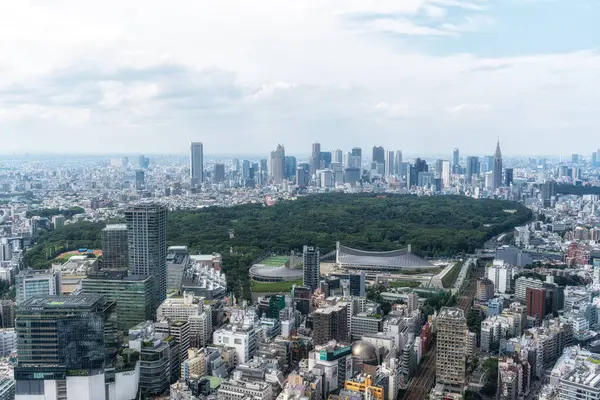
115,227
53,302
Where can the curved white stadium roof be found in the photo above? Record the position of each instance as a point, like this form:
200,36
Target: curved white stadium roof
384,260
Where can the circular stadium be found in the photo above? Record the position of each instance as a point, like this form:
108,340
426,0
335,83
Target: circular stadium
396,260
274,269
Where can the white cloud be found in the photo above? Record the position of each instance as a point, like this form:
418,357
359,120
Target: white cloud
147,76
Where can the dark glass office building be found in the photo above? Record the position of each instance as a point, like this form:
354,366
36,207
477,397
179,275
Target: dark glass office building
58,336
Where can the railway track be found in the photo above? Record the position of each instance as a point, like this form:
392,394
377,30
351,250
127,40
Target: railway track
424,379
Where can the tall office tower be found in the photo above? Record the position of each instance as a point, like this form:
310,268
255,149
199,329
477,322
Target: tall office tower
60,342
419,166
378,154
302,175
312,267
338,156
452,349
315,159
389,163
508,176
445,173
575,159
132,293
497,168
330,323
245,169
473,168
114,246
140,179
398,162
455,161
144,162
236,164
277,171
357,152
290,167
196,164
32,283
219,173
147,245
325,159
7,313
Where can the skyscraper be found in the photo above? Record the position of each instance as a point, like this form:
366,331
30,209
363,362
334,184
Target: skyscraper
139,179
378,154
455,161
398,162
114,246
389,163
452,348
508,176
312,267
196,164
290,167
357,153
338,156
219,173
497,168
147,245
277,165
446,173
473,168
315,159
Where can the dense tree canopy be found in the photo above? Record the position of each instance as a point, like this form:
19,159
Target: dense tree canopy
50,212
434,226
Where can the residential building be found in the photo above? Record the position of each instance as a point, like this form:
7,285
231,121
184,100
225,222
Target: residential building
147,245
192,309
244,339
312,267
329,323
523,283
501,276
535,300
114,246
451,348
8,342
485,289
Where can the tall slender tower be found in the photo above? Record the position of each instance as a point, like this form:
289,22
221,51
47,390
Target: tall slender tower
315,159
452,348
147,245
497,168
455,161
277,163
312,267
196,164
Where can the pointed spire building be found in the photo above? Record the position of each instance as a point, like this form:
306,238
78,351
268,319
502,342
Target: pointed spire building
497,168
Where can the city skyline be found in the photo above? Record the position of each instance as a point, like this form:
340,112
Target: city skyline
419,74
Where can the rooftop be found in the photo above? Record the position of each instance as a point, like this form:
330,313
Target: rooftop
115,227
52,302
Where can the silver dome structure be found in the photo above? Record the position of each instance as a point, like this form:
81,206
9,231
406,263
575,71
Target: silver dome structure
365,352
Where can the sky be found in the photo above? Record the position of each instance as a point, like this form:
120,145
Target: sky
421,76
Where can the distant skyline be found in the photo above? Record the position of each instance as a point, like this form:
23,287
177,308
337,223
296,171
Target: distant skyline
421,76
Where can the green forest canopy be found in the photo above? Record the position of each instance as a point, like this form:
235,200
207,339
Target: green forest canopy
434,226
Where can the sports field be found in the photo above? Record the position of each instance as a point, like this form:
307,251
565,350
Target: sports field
275,261
68,254
264,287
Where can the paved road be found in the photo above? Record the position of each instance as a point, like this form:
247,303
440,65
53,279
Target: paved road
425,377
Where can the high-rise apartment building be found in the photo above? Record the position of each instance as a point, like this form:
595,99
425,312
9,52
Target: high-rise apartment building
31,283
312,267
196,163
378,154
134,295
191,309
451,349
497,168
329,323
277,165
114,246
535,300
147,245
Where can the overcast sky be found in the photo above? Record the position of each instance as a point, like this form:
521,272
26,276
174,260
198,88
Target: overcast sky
423,76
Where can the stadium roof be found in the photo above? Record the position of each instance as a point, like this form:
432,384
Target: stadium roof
384,260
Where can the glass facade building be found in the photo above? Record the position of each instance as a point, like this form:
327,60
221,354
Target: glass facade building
114,246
